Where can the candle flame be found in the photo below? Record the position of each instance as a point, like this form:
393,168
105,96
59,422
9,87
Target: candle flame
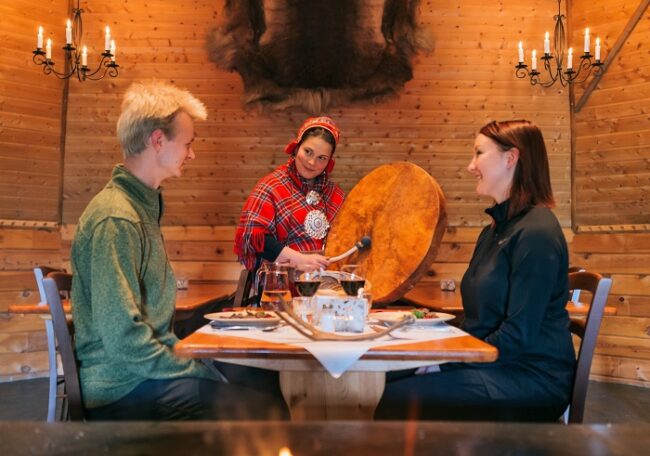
521,45
69,24
597,41
284,451
546,36
587,31
108,30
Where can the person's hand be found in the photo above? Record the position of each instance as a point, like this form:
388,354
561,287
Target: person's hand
302,261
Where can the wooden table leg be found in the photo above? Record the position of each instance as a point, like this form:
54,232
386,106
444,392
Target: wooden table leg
316,395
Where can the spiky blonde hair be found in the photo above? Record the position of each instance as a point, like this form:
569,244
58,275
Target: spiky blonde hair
149,106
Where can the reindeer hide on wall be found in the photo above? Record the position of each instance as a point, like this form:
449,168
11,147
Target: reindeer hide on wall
318,53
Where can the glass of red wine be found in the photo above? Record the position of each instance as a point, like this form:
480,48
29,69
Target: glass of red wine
306,284
352,279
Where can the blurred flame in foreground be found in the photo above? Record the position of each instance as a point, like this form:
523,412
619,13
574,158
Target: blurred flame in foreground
284,451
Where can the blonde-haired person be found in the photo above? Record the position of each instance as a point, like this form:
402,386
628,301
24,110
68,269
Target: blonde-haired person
124,289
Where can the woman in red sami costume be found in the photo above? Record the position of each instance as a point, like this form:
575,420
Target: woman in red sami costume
290,210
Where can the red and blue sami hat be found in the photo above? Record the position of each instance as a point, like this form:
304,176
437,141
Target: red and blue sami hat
314,122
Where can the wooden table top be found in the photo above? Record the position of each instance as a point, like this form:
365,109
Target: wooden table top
431,296
196,296
220,345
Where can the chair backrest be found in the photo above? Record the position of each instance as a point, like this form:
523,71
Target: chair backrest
40,272
243,288
587,329
575,293
53,284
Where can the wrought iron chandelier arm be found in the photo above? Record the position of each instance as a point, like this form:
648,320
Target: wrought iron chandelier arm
105,64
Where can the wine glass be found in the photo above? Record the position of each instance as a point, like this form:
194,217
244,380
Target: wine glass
352,279
306,284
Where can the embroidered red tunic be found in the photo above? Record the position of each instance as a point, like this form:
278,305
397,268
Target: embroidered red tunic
277,206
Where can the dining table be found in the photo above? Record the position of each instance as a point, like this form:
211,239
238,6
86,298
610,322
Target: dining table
431,296
188,301
310,388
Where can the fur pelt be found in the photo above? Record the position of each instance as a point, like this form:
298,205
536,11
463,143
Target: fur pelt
318,53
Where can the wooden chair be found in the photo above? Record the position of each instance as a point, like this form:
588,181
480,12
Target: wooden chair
53,284
40,272
244,286
575,294
587,329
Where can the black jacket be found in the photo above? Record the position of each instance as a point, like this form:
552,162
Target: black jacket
515,292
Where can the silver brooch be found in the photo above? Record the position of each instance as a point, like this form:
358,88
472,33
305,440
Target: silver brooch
316,224
313,197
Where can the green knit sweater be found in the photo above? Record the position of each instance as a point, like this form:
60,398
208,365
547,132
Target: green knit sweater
123,294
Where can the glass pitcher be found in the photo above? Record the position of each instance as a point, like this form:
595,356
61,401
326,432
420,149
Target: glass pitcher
273,279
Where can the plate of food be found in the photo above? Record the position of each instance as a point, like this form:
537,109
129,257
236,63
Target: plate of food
252,318
423,317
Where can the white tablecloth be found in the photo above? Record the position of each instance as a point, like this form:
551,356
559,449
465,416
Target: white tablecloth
338,356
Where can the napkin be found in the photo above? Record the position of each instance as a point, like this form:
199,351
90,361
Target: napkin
338,356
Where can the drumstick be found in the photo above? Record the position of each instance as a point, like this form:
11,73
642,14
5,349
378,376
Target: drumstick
360,245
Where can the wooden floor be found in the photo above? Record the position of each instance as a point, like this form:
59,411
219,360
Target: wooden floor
606,402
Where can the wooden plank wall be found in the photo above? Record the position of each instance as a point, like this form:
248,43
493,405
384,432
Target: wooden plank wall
612,184
466,81
30,108
612,131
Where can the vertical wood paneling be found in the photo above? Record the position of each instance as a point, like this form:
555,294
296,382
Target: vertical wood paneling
30,113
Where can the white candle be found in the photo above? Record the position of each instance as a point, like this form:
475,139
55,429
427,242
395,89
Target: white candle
39,38
597,48
84,57
587,40
68,32
569,59
547,45
534,60
521,52
48,49
107,39
113,51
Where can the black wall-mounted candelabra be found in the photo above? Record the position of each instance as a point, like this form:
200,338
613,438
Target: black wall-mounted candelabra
553,73
76,59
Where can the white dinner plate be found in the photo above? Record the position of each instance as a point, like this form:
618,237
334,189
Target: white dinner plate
234,319
393,317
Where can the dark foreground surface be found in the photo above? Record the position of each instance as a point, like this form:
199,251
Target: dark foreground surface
321,438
